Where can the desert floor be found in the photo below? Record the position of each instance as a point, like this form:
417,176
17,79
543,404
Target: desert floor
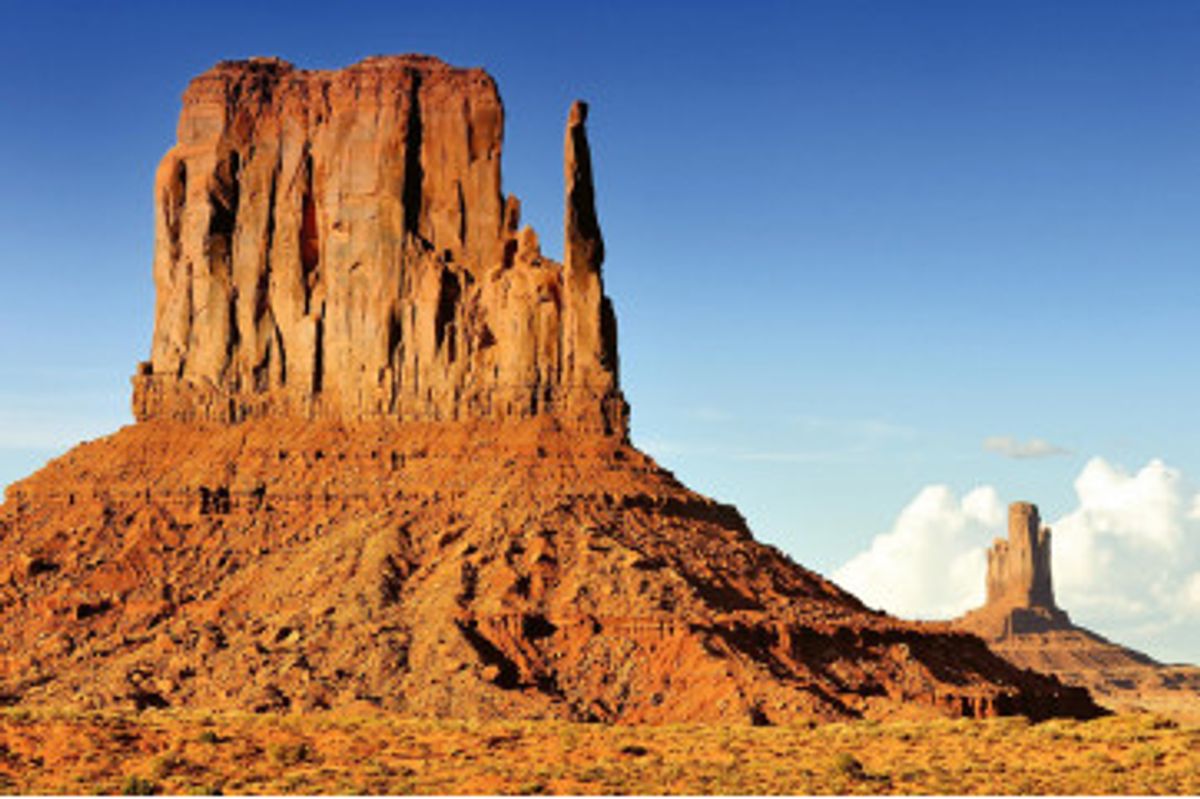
182,753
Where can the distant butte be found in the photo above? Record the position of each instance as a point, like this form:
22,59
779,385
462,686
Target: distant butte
381,459
1020,590
1021,621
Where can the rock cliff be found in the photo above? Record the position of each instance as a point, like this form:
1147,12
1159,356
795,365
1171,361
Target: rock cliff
381,458
338,245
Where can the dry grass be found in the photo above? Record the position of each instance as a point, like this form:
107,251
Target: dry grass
190,753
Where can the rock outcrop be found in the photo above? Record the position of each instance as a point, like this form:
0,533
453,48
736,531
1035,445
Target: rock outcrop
1021,621
1020,588
338,245
381,458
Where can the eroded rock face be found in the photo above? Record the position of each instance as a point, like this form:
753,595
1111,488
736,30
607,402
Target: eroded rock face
337,244
1019,568
1020,589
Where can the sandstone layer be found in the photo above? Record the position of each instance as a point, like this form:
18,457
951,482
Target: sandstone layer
336,244
381,457
1021,621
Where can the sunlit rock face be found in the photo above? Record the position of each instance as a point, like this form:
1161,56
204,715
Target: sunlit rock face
337,244
1019,567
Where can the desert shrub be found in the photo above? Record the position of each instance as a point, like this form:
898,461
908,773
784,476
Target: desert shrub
209,737
592,774
1148,755
139,786
1058,730
847,765
1159,723
289,754
164,765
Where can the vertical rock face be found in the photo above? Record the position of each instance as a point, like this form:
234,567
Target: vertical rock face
1020,590
1019,568
337,244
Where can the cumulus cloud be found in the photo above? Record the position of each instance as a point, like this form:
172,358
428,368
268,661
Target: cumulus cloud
1191,594
1127,552
1126,557
1010,447
931,563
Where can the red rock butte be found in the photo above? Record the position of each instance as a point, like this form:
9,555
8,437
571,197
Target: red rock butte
381,457
338,245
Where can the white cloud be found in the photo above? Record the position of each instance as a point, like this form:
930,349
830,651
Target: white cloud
931,563
1126,559
1010,447
1191,595
1126,551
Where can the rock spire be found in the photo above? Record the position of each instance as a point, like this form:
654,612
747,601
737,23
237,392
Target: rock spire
336,244
1020,590
1019,568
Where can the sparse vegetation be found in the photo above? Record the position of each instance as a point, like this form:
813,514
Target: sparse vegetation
290,753
174,753
847,765
138,786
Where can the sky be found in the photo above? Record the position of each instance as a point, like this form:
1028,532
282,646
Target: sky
880,268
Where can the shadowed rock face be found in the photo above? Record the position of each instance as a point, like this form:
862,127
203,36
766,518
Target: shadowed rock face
381,458
337,245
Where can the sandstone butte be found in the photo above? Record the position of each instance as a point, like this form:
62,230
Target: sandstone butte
381,459
1022,622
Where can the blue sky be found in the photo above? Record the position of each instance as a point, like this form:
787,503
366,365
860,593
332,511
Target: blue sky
847,241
